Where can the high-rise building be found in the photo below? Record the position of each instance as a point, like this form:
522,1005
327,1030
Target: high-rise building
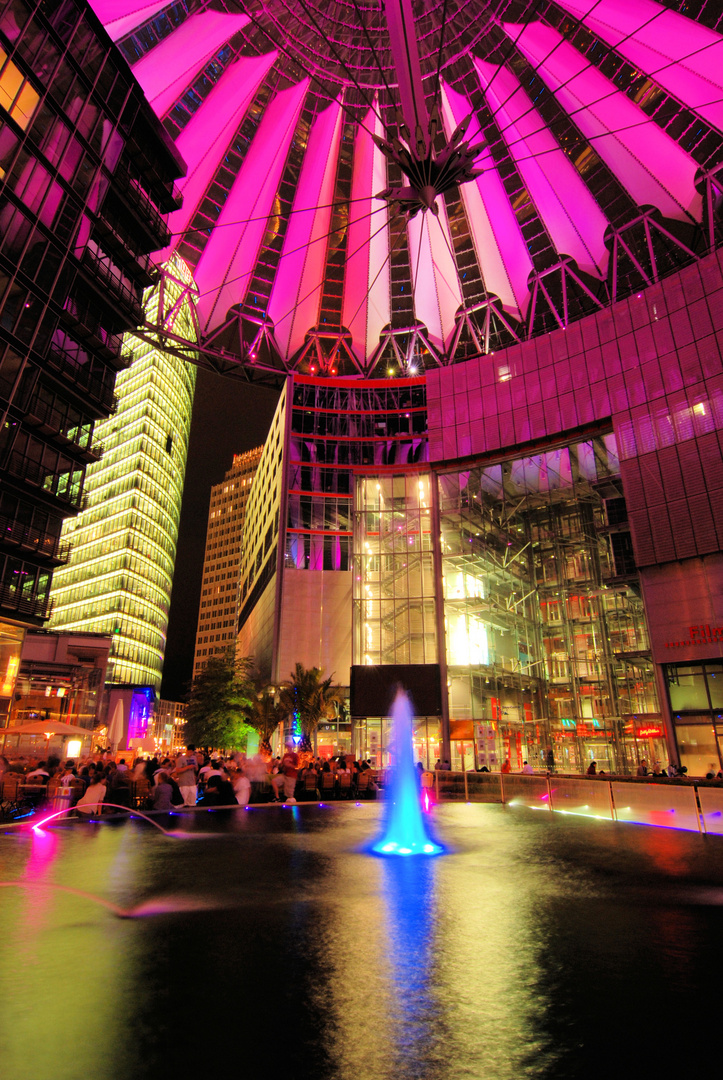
169,718
221,565
123,543
86,174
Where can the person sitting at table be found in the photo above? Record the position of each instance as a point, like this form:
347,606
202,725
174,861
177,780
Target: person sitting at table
90,801
119,788
67,773
213,795
162,794
241,786
39,775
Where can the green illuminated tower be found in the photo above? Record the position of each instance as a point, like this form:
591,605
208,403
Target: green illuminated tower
119,576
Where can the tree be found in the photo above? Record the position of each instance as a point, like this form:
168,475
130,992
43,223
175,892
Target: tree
221,695
309,699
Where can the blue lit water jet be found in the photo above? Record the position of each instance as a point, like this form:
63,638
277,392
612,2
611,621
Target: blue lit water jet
404,829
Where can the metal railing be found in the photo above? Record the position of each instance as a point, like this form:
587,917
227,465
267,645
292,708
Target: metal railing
13,599
103,273
40,541
100,389
669,803
143,203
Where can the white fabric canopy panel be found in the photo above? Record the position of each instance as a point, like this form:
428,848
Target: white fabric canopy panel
501,250
680,54
574,220
167,71
205,139
227,264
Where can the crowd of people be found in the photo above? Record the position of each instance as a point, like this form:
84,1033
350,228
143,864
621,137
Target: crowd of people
187,778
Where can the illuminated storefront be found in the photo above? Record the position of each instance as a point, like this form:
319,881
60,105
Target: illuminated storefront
60,678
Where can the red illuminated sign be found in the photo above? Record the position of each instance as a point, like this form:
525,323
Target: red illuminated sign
650,731
703,634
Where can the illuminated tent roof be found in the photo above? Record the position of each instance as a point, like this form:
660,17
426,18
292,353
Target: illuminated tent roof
596,128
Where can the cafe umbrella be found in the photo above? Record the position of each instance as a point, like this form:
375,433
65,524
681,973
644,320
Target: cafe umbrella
115,729
48,728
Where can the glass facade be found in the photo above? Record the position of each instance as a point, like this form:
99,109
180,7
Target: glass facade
394,593
338,430
547,648
80,206
119,576
696,702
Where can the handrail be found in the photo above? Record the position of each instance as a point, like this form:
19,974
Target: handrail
650,795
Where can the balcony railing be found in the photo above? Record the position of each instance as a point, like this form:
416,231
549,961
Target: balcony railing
87,328
40,476
38,541
102,274
13,599
143,204
99,389
137,263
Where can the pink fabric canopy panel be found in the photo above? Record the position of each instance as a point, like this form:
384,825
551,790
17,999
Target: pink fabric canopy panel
367,307
283,121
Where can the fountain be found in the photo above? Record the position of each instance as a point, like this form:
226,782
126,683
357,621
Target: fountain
404,830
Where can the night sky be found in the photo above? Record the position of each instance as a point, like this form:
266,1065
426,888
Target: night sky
229,416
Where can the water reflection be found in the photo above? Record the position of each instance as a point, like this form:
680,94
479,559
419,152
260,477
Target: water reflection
534,949
409,890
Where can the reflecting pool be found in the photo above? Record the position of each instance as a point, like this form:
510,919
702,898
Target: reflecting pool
537,947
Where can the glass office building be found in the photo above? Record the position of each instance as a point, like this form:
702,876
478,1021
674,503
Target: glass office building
86,175
119,576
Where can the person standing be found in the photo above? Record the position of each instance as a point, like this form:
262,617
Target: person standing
185,775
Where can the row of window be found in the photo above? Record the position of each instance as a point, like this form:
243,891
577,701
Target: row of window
307,512
141,481
400,451
360,426
41,465
122,573
311,551
360,398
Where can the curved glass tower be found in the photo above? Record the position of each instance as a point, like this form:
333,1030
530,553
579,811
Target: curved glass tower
119,576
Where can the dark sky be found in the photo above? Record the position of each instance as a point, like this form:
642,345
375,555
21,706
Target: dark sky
229,416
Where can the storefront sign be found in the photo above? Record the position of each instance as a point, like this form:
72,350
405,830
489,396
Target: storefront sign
650,731
644,729
703,634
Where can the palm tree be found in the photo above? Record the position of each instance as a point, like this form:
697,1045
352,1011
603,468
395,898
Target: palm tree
265,715
311,699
